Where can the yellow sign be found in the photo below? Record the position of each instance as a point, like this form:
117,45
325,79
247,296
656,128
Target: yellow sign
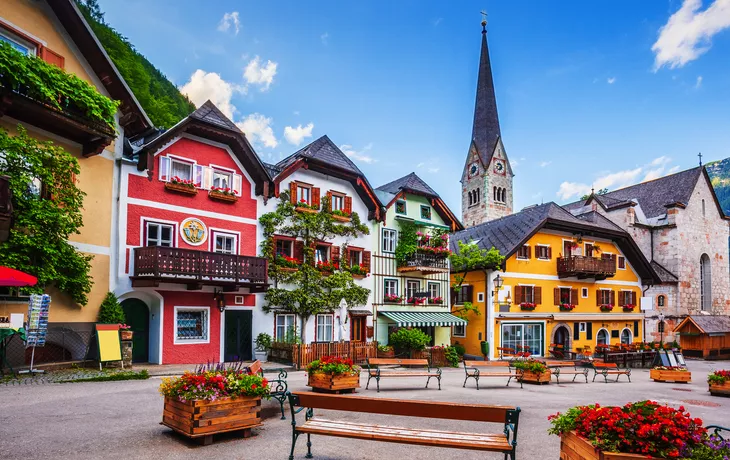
193,231
110,347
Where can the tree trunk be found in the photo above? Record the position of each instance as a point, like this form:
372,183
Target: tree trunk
303,334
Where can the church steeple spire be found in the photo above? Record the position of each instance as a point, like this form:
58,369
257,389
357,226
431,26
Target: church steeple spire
485,130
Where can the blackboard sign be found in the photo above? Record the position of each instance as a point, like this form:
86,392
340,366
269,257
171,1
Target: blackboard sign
421,295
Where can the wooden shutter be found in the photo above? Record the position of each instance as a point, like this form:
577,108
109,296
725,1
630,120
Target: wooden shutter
556,296
612,298
529,252
237,184
335,254
52,57
576,331
329,199
518,294
348,204
538,295
315,197
207,178
299,250
366,259
589,331
549,252
598,297
636,329
621,298
453,296
574,296
633,298
198,173
164,169
293,192
470,292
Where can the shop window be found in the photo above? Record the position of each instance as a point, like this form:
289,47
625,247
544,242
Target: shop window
524,337
191,324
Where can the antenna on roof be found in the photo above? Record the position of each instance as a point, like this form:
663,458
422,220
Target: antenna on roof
484,21
700,155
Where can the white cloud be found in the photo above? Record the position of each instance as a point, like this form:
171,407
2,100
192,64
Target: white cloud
360,155
295,136
209,85
437,22
420,165
688,33
434,170
325,38
228,20
544,164
611,80
258,129
256,74
699,82
658,167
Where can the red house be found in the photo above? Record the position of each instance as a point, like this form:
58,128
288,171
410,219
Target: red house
188,272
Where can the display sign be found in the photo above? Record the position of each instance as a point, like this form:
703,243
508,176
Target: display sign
647,303
38,306
421,294
110,345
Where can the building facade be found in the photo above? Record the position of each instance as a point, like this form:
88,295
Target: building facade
412,290
188,271
568,281
680,227
56,32
486,181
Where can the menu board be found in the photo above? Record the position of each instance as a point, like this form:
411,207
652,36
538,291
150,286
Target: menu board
38,306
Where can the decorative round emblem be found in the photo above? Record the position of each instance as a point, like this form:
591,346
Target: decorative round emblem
473,169
193,231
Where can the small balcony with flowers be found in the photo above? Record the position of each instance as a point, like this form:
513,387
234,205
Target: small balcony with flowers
38,91
592,264
427,255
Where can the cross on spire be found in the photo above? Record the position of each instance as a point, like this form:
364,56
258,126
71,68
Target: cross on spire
700,155
484,21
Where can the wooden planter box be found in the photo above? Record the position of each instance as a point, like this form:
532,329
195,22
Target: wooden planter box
179,188
334,383
659,375
288,269
386,354
222,196
341,218
533,377
573,447
722,389
358,277
203,419
309,210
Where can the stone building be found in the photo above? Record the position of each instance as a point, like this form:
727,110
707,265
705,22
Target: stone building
486,182
680,227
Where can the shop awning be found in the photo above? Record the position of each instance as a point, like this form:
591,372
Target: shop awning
409,319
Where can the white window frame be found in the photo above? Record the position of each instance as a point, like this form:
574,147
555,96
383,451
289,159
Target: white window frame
545,259
523,324
223,172
179,341
584,293
17,41
532,293
175,159
359,257
214,236
409,281
286,316
327,253
455,334
618,265
173,232
389,244
325,325
480,297
385,286
438,288
608,335
602,290
631,336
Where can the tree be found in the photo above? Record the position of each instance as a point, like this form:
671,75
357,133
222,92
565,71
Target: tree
602,191
46,212
471,257
308,290
111,311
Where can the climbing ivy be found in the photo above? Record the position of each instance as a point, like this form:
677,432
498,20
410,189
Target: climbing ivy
407,242
470,257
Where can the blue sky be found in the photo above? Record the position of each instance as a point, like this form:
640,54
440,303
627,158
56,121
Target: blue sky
600,94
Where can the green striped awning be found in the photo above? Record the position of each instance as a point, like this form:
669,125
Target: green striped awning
410,319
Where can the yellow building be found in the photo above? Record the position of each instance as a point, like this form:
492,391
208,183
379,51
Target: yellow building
565,280
56,32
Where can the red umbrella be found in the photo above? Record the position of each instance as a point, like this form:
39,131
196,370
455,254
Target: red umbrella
16,278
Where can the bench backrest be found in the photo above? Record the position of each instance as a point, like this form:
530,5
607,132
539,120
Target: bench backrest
605,365
255,367
407,408
560,364
486,363
397,361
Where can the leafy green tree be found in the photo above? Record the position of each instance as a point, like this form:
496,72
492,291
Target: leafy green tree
111,311
46,212
307,291
470,257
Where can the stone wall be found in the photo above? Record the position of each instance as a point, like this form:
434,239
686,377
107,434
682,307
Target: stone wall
485,180
672,314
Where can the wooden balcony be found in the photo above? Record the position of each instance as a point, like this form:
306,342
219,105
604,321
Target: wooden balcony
154,265
426,264
586,267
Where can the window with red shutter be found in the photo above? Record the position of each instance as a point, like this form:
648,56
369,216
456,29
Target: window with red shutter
52,57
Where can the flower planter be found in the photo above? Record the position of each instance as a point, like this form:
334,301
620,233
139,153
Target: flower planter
535,378
222,196
386,354
180,188
527,308
308,210
573,447
660,375
358,277
203,419
334,383
341,218
126,335
288,269
720,389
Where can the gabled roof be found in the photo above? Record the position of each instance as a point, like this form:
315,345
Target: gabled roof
665,275
654,196
485,129
325,151
208,122
509,233
707,324
411,183
133,119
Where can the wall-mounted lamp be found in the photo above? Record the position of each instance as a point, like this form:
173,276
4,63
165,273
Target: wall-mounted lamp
220,299
498,282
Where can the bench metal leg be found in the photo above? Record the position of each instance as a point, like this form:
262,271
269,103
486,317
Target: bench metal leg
368,384
465,379
477,379
595,374
294,438
377,383
429,379
309,447
439,377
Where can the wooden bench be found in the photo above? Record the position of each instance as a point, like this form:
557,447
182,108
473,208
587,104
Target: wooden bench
606,369
559,368
278,386
503,440
375,371
472,370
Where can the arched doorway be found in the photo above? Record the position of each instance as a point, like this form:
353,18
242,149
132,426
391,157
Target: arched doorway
561,336
138,318
602,338
626,336
705,283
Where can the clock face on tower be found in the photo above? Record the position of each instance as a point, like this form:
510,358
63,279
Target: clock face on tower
473,169
499,166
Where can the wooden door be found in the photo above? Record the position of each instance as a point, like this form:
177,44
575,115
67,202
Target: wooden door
137,316
357,328
237,335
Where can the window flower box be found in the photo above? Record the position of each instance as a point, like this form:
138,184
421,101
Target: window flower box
181,186
304,206
416,300
628,308
332,374
389,298
341,216
670,374
359,271
436,300
567,307
606,308
528,306
719,382
226,195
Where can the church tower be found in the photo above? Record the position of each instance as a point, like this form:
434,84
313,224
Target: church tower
487,177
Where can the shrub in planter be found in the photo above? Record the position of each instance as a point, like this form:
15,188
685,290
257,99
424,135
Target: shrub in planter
111,311
718,377
333,373
460,349
452,356
409,340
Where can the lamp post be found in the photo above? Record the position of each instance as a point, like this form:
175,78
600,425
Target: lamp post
498,282
661,328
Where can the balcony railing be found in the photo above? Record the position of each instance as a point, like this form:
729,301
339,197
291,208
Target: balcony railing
425,263
156,264
586,267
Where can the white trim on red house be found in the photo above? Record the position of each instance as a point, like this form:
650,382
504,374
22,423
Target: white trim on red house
190,211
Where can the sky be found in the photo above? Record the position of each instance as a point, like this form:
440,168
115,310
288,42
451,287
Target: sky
597,94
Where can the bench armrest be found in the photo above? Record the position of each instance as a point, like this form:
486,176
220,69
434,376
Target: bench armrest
283,374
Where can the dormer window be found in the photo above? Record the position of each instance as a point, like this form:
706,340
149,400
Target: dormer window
400,207
222,179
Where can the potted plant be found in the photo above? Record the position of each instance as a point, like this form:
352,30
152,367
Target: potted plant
179,185
416,300
385,351
532,371
263,344
406,340
436,300
606,308
638,430
125,331
213,399
670,374
223,194
719,382
392,298
333,374
629,307
528,306
567,307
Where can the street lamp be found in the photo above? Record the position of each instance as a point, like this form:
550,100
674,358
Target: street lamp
661,327
498,282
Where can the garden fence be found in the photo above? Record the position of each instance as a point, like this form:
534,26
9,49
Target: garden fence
300,355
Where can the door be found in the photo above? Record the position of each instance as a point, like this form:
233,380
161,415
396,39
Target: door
567,249
237,335
561,336
357,328
137,316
